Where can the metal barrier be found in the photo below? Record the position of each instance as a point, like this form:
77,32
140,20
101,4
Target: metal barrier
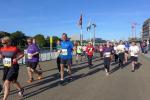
43,57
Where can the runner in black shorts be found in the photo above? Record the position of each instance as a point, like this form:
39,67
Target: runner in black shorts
32,60
10,55
65,56
134,51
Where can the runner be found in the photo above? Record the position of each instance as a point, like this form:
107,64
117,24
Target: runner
59,53
38,55
58,58
84,50
10,56
101,50
120,51
32,60
66,56
79,53
90,52
116,53
107,58
127,45
134,51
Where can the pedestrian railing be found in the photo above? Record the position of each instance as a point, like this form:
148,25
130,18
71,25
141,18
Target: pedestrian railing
43,57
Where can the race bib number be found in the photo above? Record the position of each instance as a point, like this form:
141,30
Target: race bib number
101,49
7,62
29,56
64,52
107,54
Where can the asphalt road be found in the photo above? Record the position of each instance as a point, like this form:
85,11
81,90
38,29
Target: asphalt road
88,84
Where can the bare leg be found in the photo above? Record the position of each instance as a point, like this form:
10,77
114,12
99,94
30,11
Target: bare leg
62,72
6,89
17,85
133,65
69,68
30,74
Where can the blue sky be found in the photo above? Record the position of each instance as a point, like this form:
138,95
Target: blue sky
53,17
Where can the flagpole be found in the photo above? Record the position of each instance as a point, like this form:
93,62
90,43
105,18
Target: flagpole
81,36
90,37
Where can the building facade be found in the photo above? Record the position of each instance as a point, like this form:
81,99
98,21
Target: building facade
146,30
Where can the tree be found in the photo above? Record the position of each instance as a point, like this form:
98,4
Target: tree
40,40
18,38
2,34
47,41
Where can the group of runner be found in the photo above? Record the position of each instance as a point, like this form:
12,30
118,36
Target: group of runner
118,52
10,56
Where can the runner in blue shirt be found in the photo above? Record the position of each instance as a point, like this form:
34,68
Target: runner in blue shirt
65,56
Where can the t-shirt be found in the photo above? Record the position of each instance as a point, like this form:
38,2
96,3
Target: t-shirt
127,45
9,53
58,47
84,48
66,50
33,48
120,48
101,48
79,49
134,51
90,50
107,51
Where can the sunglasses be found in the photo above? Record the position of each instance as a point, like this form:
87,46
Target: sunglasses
4,43
29,42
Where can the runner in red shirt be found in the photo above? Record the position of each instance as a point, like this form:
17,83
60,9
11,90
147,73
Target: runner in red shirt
10,56
90,52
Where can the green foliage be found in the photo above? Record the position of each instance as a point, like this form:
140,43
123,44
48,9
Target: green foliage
2,34
40,40
18,38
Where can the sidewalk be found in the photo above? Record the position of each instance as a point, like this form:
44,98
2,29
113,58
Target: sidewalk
147,54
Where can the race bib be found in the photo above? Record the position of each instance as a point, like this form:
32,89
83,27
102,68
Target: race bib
7,62
29,56
101,49
107,54
64,52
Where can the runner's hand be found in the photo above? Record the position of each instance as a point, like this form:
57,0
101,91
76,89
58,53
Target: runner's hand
15,60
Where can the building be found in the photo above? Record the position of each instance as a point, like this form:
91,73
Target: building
75,37
146,30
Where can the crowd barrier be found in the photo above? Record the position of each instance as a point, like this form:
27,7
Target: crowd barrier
42,57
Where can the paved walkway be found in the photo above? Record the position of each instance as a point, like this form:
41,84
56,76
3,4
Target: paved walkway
87,84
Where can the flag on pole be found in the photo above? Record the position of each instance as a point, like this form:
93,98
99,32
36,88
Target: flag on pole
134,25
89,25
80,21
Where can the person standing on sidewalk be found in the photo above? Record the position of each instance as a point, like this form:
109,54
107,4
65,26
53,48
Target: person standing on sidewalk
10,56
90,52
134,51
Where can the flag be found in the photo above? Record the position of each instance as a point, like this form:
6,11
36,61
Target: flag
80,21
134,25
89,25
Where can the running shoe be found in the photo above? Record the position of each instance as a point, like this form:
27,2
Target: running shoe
40,76
62,82
30,80
20,92
70,78
107,73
